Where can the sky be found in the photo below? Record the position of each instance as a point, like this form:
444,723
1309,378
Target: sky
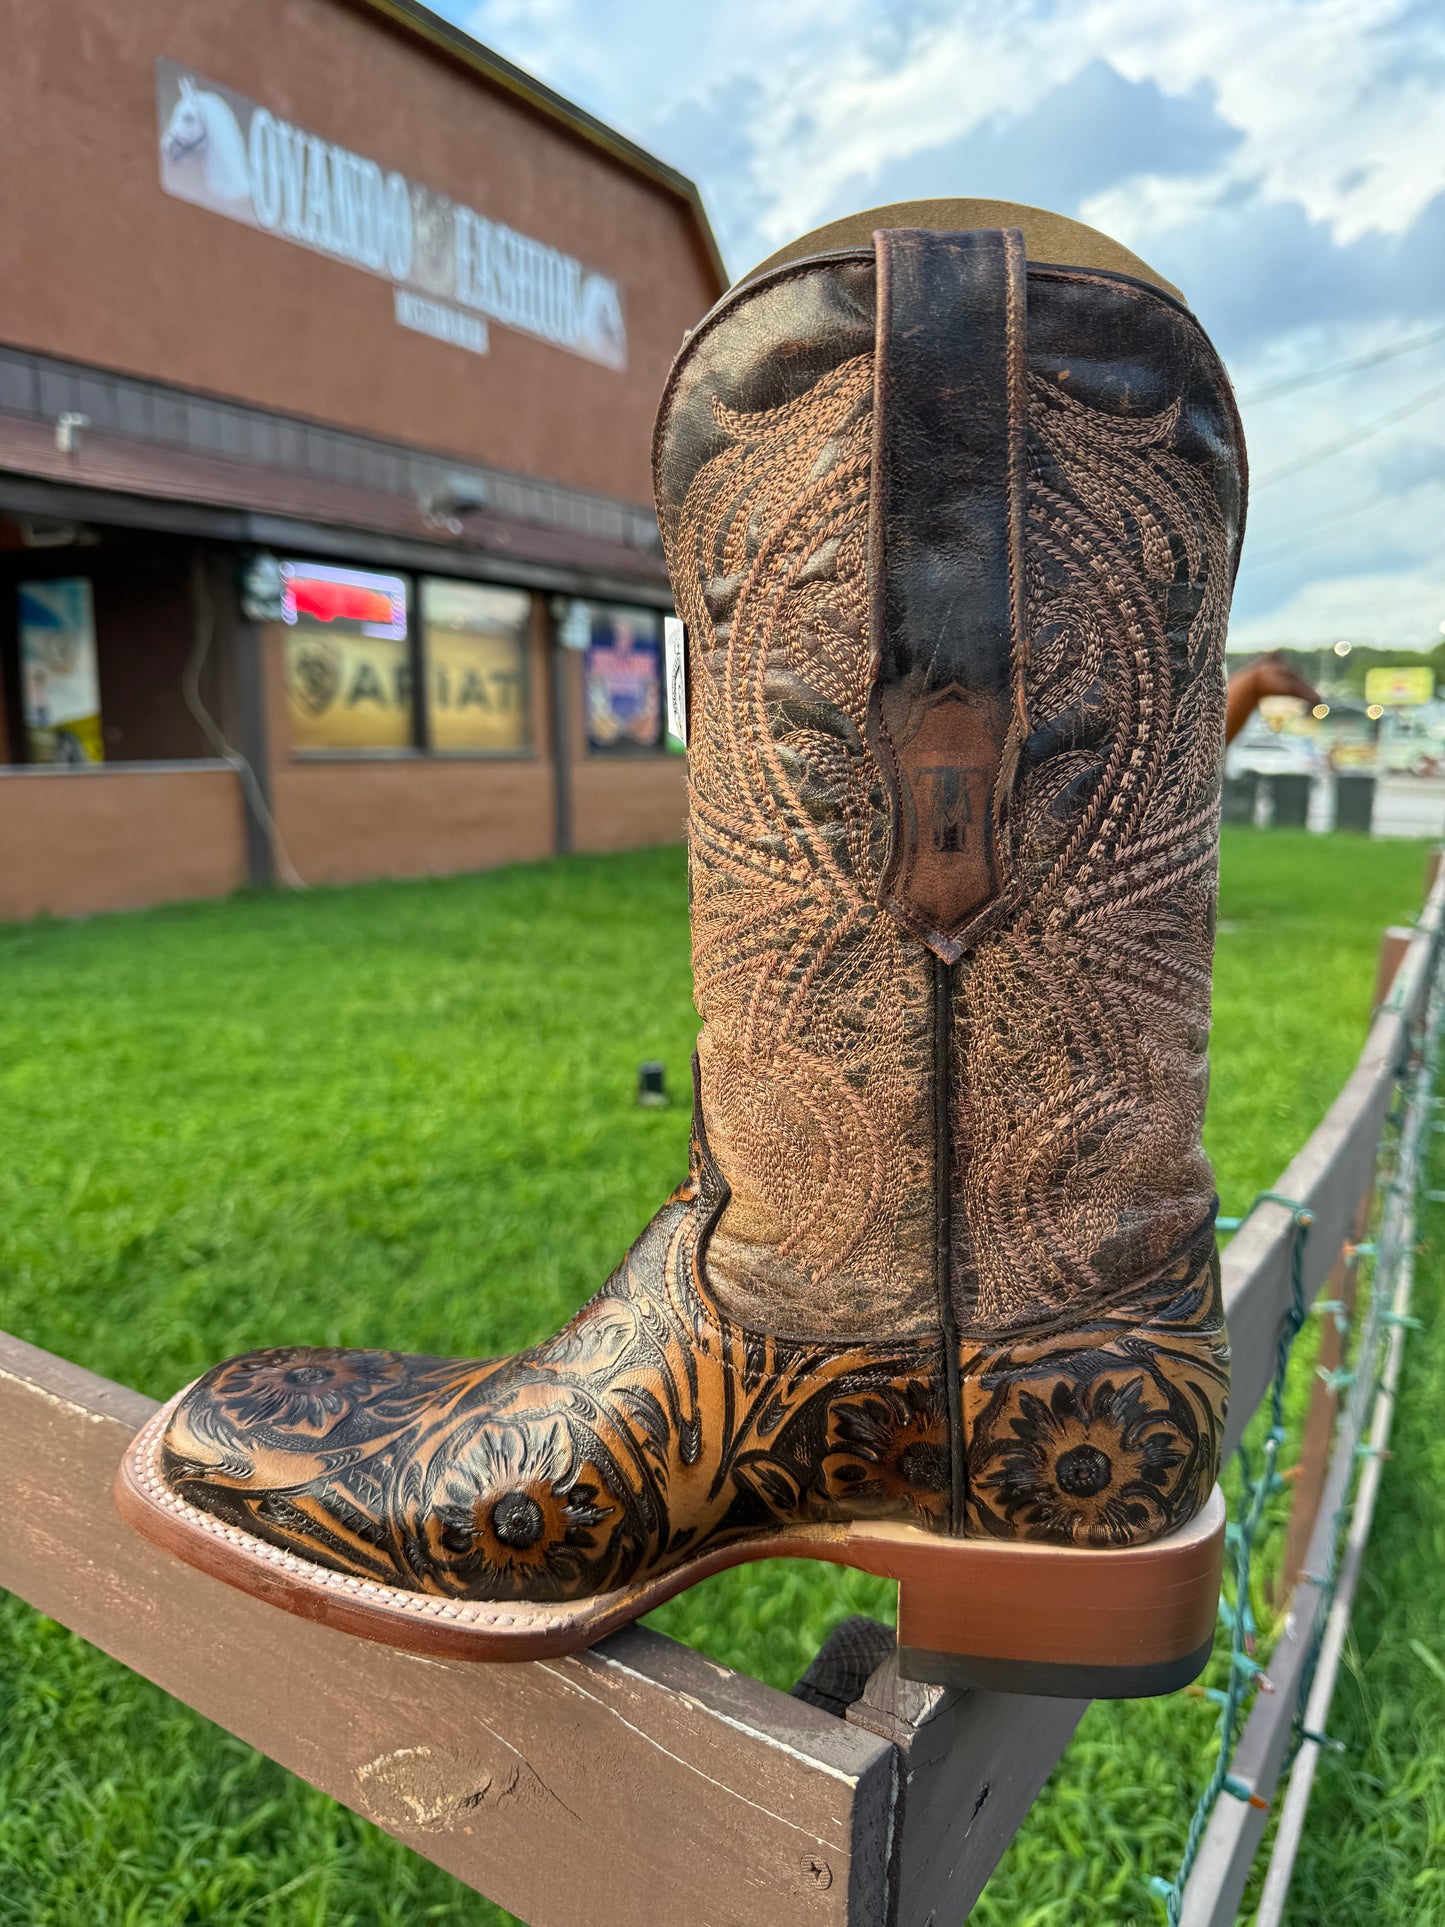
1281,161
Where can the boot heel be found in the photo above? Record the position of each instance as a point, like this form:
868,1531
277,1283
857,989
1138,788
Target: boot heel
1017,1616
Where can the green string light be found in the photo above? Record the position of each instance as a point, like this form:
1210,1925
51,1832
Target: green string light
1245,1674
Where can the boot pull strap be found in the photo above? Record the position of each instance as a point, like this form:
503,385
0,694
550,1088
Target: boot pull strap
945,566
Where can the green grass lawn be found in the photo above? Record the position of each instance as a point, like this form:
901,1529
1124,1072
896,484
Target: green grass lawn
402,1115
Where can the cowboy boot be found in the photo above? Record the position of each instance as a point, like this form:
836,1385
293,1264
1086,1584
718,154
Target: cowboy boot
952,511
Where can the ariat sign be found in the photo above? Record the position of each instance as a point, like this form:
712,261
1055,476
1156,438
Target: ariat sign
453,270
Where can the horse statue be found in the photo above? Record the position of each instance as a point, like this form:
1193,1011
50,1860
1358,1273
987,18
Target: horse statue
202,128
1270,675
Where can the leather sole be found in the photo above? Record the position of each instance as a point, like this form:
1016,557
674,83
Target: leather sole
1007,1615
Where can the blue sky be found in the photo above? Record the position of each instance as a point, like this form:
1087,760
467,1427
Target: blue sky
1282,161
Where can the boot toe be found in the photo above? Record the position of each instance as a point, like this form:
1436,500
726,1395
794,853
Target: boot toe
432,1475
293,1445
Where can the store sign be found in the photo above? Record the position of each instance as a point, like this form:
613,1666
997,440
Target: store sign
624,681
348,662
476,665
452,270
59,675
1397,687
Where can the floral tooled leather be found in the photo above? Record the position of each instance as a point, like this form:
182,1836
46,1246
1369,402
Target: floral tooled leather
1107,1432
653,1425
650,1426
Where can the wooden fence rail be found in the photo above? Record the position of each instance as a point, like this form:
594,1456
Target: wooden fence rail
637,1783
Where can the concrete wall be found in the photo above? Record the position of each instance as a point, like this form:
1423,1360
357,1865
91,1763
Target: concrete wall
77,841
102,265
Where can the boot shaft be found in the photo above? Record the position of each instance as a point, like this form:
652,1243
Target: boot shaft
952,535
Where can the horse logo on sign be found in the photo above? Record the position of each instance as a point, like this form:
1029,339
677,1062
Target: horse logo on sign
315,674
202,141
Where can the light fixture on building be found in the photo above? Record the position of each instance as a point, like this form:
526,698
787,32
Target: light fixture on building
450,502
1320,711
67,431
573,621
261,588
1343,648
39,532
1375,712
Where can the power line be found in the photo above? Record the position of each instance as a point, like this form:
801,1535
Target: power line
1281,550
1350,367
1354,437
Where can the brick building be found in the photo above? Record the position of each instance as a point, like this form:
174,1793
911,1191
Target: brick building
329,349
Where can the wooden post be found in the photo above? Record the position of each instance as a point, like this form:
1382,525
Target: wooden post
1393,945
970,1765
1314,1460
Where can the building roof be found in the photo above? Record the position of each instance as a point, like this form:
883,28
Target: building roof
419,23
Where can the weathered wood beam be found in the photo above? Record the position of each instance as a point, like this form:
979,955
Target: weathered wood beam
1236,1827
970,1767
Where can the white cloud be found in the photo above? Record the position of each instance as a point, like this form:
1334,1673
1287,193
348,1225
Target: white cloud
1329,116
1336,102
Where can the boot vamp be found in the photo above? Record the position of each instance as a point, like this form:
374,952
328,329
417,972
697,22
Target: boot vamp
478,1478
466,1477
644,1431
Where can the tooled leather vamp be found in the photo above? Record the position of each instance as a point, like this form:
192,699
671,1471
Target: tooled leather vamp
648,1425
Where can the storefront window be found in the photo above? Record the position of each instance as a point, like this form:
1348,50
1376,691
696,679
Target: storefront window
624,681
476,666
60,681
348,663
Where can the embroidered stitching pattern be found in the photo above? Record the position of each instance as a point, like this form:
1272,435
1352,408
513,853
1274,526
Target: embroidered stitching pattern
816,1043
663,1420
1082,1025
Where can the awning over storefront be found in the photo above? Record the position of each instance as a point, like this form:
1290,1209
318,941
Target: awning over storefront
150,455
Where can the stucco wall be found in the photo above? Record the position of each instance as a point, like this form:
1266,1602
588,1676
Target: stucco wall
104,266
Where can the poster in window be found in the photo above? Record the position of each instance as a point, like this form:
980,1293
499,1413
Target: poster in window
624,681
348,664
59,674
476,674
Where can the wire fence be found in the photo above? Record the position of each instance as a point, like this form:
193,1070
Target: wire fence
1366,1379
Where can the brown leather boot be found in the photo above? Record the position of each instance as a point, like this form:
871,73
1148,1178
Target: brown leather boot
953,533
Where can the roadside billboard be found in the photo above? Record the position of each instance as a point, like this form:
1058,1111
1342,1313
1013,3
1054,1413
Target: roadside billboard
1397,686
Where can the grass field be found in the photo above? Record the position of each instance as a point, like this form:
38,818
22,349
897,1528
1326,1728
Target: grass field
402,1115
